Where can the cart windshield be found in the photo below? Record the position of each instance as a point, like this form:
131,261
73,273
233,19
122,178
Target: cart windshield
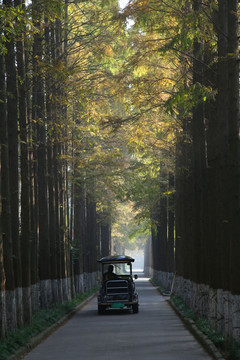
120,269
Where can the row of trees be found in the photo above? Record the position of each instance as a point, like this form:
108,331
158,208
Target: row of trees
96,109
56,84
195,52
201,40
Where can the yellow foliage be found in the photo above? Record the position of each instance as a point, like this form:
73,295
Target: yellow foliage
108,50
140,71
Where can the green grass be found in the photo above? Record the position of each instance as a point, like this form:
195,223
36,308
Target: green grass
154,282
41,321
229,351
179,303
216,337
202,324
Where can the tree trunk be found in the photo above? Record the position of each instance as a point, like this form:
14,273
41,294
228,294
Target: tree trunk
234,153
62,222
105,239
79,231
199,164
57,220
163,254
10,299
155,230
25,185
184,202
34,219
221,149
39,117
92,233
3,322
171,226
12,121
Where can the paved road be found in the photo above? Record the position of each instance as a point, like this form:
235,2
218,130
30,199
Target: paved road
155,333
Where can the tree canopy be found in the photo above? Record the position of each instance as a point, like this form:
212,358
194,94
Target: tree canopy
119,124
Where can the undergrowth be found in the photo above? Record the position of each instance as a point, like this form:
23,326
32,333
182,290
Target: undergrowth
41,320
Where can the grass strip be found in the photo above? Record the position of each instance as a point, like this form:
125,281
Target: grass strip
202,324
43,319
230,351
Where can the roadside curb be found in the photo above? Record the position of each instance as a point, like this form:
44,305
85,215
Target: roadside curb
36,340
207,344
202,338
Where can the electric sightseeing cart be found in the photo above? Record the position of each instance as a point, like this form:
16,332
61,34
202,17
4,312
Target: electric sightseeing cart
117,289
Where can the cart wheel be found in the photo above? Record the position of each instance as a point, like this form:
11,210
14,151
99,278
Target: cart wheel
135,308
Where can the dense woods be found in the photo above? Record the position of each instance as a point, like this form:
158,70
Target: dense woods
101,106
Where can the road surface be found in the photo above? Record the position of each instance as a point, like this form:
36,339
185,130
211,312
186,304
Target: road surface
155,333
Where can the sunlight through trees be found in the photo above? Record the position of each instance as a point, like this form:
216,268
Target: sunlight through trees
119,131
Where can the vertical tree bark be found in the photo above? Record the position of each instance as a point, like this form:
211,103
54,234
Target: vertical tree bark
34,218
10,186
179,207
39,117
184,202
78,219
10,300
63,215
51,118
3,322
79,231
171,226
25,185
12,121
199,164
148,257
92,233
221,148
105,239
163,258
52,223
155,230
234,150
57,218
62,223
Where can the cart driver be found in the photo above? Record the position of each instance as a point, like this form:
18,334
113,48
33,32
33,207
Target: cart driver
110,275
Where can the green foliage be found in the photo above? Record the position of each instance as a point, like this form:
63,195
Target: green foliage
13,20
180,304
213,335
189,97
202,324
116,88
127,230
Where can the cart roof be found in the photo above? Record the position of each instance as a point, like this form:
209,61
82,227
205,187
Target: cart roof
116,259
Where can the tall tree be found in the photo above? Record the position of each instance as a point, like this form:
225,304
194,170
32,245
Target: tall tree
199,157
9,293
39,117
25,179
79,230
234,153
3,325
10,183
12,120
